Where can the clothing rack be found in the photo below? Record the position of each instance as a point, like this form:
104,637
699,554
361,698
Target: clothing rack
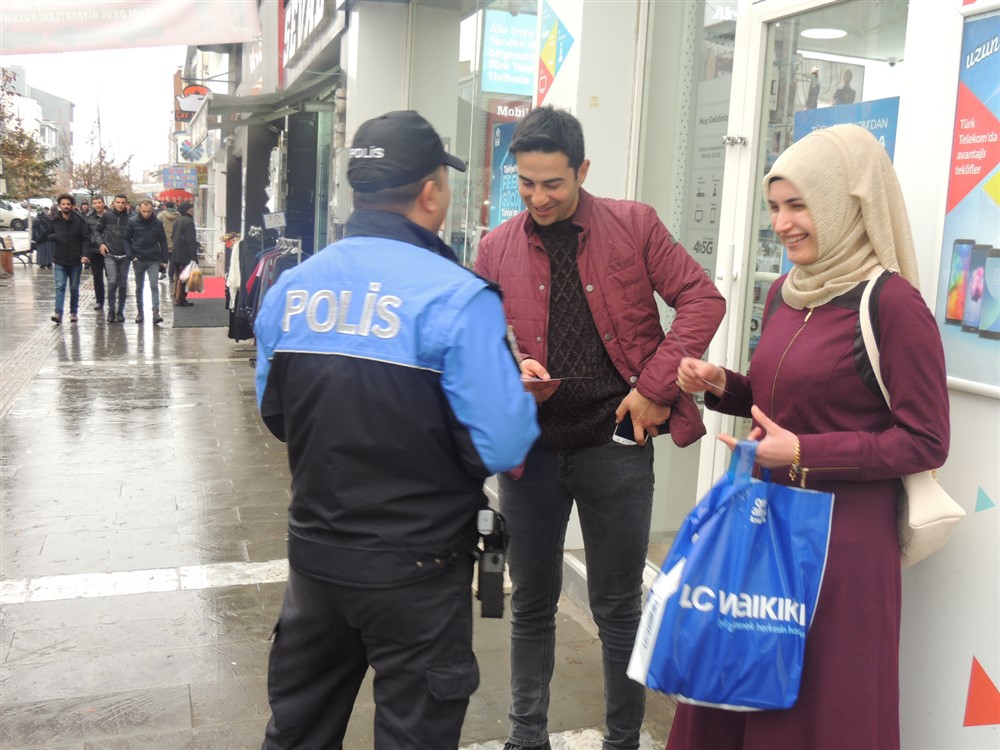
290,246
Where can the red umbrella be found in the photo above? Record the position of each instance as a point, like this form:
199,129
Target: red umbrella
176,194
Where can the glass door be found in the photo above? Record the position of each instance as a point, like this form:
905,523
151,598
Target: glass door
809,65
841,63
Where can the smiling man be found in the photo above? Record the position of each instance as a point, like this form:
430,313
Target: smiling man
578,275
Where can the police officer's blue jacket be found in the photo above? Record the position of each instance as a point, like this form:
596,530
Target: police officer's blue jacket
384,365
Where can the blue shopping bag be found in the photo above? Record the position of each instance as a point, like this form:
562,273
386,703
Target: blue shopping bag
726,620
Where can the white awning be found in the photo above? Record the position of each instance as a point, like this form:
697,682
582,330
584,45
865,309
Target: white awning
36,26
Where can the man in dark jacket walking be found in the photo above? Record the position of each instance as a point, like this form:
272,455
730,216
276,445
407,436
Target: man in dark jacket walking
112,245
146,246
71,236
94,253
185,250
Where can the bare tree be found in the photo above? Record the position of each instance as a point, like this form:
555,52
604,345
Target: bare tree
103,175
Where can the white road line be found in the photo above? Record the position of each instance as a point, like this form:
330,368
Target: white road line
184,578
585,739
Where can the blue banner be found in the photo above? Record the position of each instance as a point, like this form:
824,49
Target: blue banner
505,200
879,117
510,46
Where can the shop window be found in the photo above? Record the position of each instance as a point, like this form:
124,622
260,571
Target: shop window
841,63
497,53
685,107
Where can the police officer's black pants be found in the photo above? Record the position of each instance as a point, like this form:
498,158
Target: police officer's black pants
417,638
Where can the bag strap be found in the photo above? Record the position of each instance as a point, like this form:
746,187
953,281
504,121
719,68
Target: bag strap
742,461
868,334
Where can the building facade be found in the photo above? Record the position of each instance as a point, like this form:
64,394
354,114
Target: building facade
685,105
48,119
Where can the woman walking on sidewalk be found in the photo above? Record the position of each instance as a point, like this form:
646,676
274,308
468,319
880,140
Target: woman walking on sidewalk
71,235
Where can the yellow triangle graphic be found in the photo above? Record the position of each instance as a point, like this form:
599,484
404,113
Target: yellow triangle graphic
548,53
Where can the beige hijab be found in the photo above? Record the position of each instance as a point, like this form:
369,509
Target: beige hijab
849,186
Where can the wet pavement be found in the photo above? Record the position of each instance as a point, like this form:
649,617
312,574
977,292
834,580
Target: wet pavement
142,556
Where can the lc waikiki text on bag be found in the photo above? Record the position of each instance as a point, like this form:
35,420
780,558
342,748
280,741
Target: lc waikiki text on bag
726,620
927,514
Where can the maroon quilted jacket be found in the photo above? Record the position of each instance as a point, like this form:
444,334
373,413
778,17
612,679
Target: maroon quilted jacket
625,254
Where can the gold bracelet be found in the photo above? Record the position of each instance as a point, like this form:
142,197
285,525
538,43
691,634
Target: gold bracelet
795,469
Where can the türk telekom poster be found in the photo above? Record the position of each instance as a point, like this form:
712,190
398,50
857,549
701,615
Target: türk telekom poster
505,199
968,298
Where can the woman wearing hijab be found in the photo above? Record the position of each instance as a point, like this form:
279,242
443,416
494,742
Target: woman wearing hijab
823,424
44,247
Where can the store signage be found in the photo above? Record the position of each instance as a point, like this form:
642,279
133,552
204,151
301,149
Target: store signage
708,155
554,45
199,122
879,117
968,290
505,199
724,11
513,111
180,178
186,102
302,19
275,220
189,152
509,49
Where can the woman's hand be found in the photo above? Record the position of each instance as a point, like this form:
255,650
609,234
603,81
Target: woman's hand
533,375
695,376
777,445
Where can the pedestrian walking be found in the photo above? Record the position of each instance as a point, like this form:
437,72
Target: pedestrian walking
94,253
43,245
116,260
185,241
71,236
168,216
415,374
146,246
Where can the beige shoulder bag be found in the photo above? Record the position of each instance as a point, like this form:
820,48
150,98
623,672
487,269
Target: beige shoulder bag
927,514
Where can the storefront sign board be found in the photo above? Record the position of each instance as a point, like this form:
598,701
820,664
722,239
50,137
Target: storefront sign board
968,291
180,178
554,45
509,49
879,117
505,200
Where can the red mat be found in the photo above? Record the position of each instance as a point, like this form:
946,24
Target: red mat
215,288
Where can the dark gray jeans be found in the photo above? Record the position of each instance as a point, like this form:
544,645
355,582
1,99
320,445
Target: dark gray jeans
117,269
612,485
147,269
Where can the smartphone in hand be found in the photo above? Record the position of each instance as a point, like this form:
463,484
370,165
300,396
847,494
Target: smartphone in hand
625,434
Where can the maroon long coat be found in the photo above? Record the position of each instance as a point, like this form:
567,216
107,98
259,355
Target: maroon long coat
804,375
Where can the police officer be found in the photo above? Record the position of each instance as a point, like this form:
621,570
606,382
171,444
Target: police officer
383,364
